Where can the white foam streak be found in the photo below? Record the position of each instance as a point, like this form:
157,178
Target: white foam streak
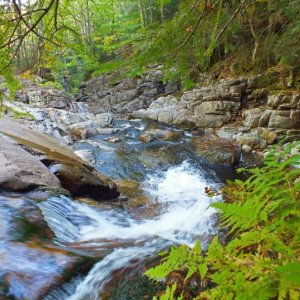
185,216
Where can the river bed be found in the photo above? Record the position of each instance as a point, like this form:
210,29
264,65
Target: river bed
164,203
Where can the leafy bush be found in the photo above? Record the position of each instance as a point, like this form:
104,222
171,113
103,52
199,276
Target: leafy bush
259,259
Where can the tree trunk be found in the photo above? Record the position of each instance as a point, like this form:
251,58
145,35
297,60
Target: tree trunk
256,43
141,13
89,27
162,13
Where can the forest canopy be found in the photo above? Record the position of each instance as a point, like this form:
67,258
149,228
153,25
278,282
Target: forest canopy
65,40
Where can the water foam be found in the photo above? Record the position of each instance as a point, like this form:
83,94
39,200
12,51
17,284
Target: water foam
185,216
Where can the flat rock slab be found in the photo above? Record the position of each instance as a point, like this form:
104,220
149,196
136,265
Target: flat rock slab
21,171
218,150
30,263
74,174
29,271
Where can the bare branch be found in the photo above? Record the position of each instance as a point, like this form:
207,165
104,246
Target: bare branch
201,17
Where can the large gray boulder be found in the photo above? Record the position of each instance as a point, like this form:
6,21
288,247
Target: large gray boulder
21,171
218,150
75,175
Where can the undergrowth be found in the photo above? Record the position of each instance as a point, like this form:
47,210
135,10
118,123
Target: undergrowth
259,259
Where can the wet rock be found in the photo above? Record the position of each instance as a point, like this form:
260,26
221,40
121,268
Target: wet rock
30,264
28,271
133,193
99,145
218,150
164,134
86,129
74,174
21,171
146,137
246,148
108,130
86,155
82,182
112,139
82,130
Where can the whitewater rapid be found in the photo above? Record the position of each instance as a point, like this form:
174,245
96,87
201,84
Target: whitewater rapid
184,216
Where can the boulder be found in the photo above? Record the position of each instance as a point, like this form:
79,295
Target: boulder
146,137
74,174
252,117
251,139
90,127
87,155
267,135
20,171
31,264
218,150
82,130
265,118
284,100
82,182
246,149
280,119
164,134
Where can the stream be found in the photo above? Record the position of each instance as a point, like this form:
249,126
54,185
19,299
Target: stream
164,203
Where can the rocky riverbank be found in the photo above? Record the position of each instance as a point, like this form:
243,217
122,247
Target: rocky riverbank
253,112
90,146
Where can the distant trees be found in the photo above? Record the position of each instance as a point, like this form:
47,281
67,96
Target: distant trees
83,38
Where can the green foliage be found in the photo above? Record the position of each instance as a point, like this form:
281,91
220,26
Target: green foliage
260,257
51,84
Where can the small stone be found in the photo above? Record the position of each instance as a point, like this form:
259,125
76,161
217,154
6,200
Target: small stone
146,138
267,135
251,139
294,151
164,134
246,148
112,139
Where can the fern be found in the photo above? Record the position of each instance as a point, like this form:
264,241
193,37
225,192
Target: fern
260,260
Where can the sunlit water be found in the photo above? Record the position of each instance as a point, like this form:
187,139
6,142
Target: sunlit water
184,216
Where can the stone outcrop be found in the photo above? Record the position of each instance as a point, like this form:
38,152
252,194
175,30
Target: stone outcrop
41,97
108,94
75,175
243,100
64,125
211,106
218,150
21,171
31,264
247,103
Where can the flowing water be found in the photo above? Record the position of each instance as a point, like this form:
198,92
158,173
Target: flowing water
173,179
